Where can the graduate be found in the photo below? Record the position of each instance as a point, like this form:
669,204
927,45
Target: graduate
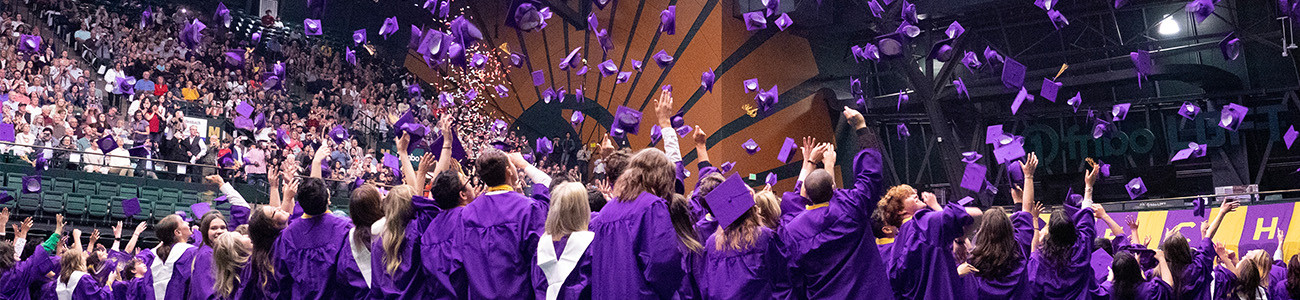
1192,268
502,228
172,262
1130,283
308,248
1287,287
1244,278
230,254
828,243
212,225
1061,268
1002,246
354,264
742,259
924,266
439,247
16,276
394,264
73,282
563,269
265,226
134,280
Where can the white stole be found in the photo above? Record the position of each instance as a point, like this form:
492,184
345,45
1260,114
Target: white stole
64,289
162,271
557,267
361,254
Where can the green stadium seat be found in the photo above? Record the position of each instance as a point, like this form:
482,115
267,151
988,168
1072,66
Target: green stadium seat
29,203
75,204
52,203
14,182
99,207
86,187
107,189
61,185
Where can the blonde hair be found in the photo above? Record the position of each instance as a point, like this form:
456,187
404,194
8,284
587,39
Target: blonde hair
741,234
769,208
72,260
570,211
228,256
397,208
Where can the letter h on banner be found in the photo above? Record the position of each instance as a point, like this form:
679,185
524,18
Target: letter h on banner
1271,230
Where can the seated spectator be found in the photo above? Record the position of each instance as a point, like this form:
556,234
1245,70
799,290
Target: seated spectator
189,92
144,85
159,88
268,20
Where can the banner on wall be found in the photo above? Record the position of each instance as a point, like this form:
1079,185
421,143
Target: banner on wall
1248,228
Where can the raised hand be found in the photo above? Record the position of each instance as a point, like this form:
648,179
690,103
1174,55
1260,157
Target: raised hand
1230,206
427,163
809,143
291,189
4,217
1016,193
1098,211
1090,176
698,135
966,269
139,228
94,238
214,178
402,140
1030,165
59,223
828,157
117,230
664,108
21,231
854,118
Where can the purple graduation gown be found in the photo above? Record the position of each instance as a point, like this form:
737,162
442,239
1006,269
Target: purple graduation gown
134,289
1014,285
440,256
636,254
15,282
349,269
923,266
1151,289
86,288
1073,279
1225,284
181,269
830,250
250,285
1277,282
576,286
757,272
408,281
500,239
1197,276
306,257
202,278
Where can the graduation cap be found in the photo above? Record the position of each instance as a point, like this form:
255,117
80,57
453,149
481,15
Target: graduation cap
339,134
32,184
606,42
222,14
444,9
389,27
573,60
1135,188
751,85
1014,172
707,79
683,130
539,78
593,24
607,68
971,61
1013,73
126,85
903,132
131,207
201,208
577,92
311,27
1289,136
256,36
663,59
655,134
244,109
1119,112
962,91
192,33
226,160
526,17
1075,101
993,134
244,123
502,91
751,147
145,15
1231,116
29,43
868,52
771,178
637,65
1021,97
730,200
234,58
417,36
393,164
973,178
1142,63
107,143
1044,4
1009,148
787,150
954,30
1193,150
970,156
876,9
5,197
1050,88
544,146
667,20
991,55
622,77
1230,46
908,13
943,50
499,125
576,119
457,149
548,94
1200,9
768,99
771,6
755,20
7,132
1101,262
471,94
626,121
783,22
1189,110
1058,20
350,56
465,32
1099,127
359,36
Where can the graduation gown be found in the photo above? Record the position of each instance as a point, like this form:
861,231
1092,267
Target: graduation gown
306,258
923,266
1151,289
1226,284
1015,285
1073,278
440,256
354,267
635,253
563,269
500,238
830,250
1198,275
757,272
81,286
202,278
408,281
171,275
15,283
135,289
1277,282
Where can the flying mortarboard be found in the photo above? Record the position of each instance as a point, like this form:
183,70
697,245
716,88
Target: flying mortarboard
539,78
200,208
783,22
126,85
622,77
1189,110
908,13
311,27
1119,112
903,132
339,134
7,132
359,36
5,197
637,65
1193,150
1230,46
544,146
389,27
573,60
727,166
626,121
1232,116
750,147
1014,171
993,134
107,143
663,59
417,36
962,91
608,68
1058,20
1013,74
768,99
970,156
787,150
465,32
1050,89
1101,262
502,91
1142,63
876,9
606,42
707,79
131,207
1021,97
730,200
1075,101
751,85
1135,188
1290,136
593,23
991,55
471,94
954,30
576,119
668,20
755,20
771,179
656,134
971,61
29,43
1200,9
943,50
1009,148
973,178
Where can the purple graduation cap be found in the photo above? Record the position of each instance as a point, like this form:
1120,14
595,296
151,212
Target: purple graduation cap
244,109
502,91
1050,88
221,198
548,94
1230,46
29,43
393,164
729,201
751,85
1075,101
1103,168
707,79
787,150
417,37
1009,148
771,6
626,121
471,94
235,58
445,99
478,60
962,91
606,42
600,4
524,16
576,119
1232,115
1099,127
656,134
359,36
1200,9
971,61
1044,4
991,55
771,178
1119,112
131,207
943,50
908,13
1101,262
1189,110
903,132
727,166
668,20
751,147
107,143
244,123
222,14
1021,97
192,33
1014,171
499,125
683,130
1058,20
311,27
637,65
201,208
607,68
663,59
876,9
1135,188
993,134
622,77
389,27
339,134
544,146
577,93
678,119
954,30
973,178
1193,150
1013,74
573,60
7,132
1290,136
1142,63
5,197
970,156
581,71
457,149
768,99
755,20
465,32
444,9
783,22
539,78
593,24
32,184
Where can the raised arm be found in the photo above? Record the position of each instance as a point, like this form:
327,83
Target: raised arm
810,150
117,237
866,165
664,113
535,174
701,144
1227,207
321,153
1099,212
444,156
1089,179
1163,268
1027,192
135,236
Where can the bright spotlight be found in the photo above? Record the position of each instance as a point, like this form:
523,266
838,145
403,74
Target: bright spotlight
1169,26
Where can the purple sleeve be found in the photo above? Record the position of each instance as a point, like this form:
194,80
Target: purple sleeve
1225,281
1085,224
239,216
89,289
1022,224
866,183
952,220
1155,289
657,250
791,205
542,193
280,278
1206,254
781,285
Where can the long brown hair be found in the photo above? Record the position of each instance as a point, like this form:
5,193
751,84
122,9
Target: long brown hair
398,210
648,171
206,222
263,230
1061,238
1178,254
996,252
679,210
228,255
769,208
365,209
165,230
1293,277
72,260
